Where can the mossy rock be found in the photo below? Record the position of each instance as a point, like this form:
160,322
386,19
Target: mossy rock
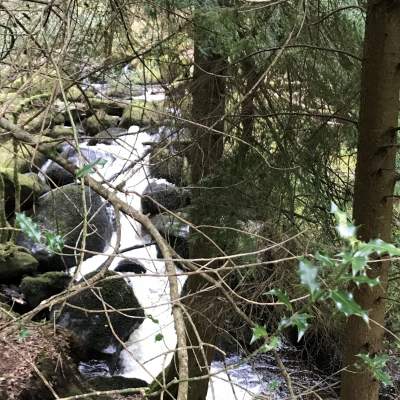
98,122
30,185
90,324
61,211
33,123
165,164
168,196
61,132
104,383
63,376
143,113
26,156
38,288
15,263
108,136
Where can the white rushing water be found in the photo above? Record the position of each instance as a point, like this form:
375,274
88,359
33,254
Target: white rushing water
144,356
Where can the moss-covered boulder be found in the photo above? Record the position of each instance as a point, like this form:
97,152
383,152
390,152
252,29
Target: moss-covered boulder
84,316
104,383
168,196
61,211
61,132
38,288
108,136
98,122
143,113
30,186
168,165
174,231
26,156
15,263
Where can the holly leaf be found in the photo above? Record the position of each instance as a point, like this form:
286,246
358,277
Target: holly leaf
358,263
54,242
28,227
365,279
300,321
258,333
345,303
345,229
282,297
308,275
326,261
272,344
377,364
89,168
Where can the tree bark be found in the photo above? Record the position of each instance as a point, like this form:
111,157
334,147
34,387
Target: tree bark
374,184
203,314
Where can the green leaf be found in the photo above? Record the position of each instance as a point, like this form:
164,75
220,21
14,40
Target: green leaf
376,364
54,242
361,279
358,263
27,226
308,275
272,344
345,303
159,337
89,168
380,247
300,321
23,334
282,297
258,333
326,261
345,229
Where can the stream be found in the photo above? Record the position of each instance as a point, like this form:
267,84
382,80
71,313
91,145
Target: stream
144,357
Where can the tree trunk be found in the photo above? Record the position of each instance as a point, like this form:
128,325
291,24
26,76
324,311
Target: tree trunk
374,184
201,301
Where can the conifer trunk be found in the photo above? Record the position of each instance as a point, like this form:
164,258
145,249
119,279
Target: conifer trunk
200,300
374,184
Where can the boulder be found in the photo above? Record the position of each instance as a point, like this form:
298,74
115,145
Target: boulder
168,196
166,164
89,324
57,176
104,383
174,231
38,288
15,263
61,132
130,265
25,155
143,113
108,136
98,122
30,186
61,211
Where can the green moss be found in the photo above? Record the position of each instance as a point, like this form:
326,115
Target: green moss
143,113
15,263
39,288
100,121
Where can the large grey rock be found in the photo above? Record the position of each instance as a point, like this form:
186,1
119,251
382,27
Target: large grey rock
61,211
168,196
174,231
57,176
89,324
38,288
15,263
108,136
